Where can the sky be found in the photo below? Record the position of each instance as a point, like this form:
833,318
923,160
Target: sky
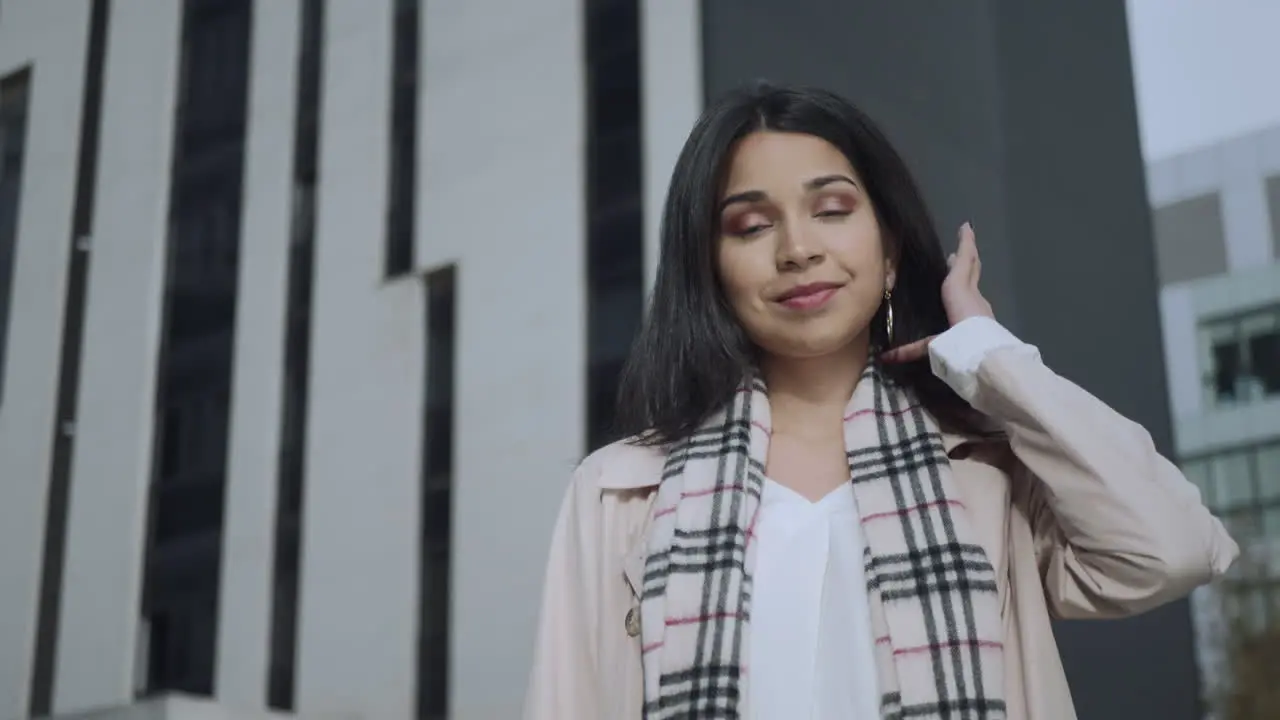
1204,70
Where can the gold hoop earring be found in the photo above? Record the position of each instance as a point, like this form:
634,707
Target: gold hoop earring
888,317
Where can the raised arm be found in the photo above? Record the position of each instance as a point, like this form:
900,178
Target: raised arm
1118,529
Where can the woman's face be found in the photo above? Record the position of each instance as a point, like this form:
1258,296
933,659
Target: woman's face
800,254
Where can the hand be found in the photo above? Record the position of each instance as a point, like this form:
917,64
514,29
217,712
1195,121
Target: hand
960,296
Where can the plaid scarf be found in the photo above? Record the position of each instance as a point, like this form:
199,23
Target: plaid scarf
934,604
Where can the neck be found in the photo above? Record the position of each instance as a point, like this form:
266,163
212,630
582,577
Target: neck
808,396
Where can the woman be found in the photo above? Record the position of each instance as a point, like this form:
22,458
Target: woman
850,492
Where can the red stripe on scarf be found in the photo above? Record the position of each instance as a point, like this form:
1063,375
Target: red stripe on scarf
886,413
914,508
699,493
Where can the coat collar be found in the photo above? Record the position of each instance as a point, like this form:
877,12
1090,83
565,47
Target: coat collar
642,469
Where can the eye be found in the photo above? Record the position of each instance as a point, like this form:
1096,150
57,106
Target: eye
751,230
834,205
747,224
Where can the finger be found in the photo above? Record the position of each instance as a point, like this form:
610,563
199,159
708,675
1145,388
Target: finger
909,352
960,266
968,250
951,261
977,257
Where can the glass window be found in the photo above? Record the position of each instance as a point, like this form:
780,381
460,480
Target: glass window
1232,481
402,181
437,481
1244,525
194,375
1241,357
615,243
1255,608
1268,468
1273,204
1271,522
1226,371
1264,354
297,352
13,139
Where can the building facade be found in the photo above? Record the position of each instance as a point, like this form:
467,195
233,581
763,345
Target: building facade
1216,213
310,307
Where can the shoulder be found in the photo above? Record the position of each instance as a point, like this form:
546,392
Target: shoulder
622,465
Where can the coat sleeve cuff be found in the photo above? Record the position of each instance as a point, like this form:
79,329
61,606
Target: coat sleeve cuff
956,354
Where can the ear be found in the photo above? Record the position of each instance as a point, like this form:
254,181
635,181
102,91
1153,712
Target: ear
890,265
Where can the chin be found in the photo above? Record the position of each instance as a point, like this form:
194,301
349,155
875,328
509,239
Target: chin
809,346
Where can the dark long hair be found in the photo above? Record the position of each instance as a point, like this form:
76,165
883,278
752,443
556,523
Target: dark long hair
691,353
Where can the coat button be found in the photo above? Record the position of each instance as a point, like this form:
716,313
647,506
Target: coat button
633,622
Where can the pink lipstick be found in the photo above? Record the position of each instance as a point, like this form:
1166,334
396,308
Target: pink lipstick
810,296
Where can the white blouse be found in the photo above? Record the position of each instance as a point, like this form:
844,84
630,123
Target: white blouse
811,655
811,643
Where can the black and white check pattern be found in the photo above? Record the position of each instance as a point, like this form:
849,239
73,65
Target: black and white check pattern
934,604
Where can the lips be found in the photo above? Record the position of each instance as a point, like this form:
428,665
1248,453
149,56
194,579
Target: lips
806,298
802,291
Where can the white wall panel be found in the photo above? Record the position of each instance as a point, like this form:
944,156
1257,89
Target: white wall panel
1181,350
671,72
111,463
52,38
244,612
501,193
358,596
1246,222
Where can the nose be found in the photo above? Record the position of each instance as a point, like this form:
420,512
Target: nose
796,249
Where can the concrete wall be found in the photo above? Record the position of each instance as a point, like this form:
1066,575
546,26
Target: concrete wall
51,39
106,522
504,200
244,620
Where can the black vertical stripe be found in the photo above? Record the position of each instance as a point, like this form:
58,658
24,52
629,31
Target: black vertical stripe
437,495
55,529
403,174
615,244
282,679
15,92
194,371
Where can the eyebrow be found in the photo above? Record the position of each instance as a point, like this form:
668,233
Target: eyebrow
755,196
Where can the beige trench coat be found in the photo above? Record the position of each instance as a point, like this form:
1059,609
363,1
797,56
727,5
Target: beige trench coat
1079,514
